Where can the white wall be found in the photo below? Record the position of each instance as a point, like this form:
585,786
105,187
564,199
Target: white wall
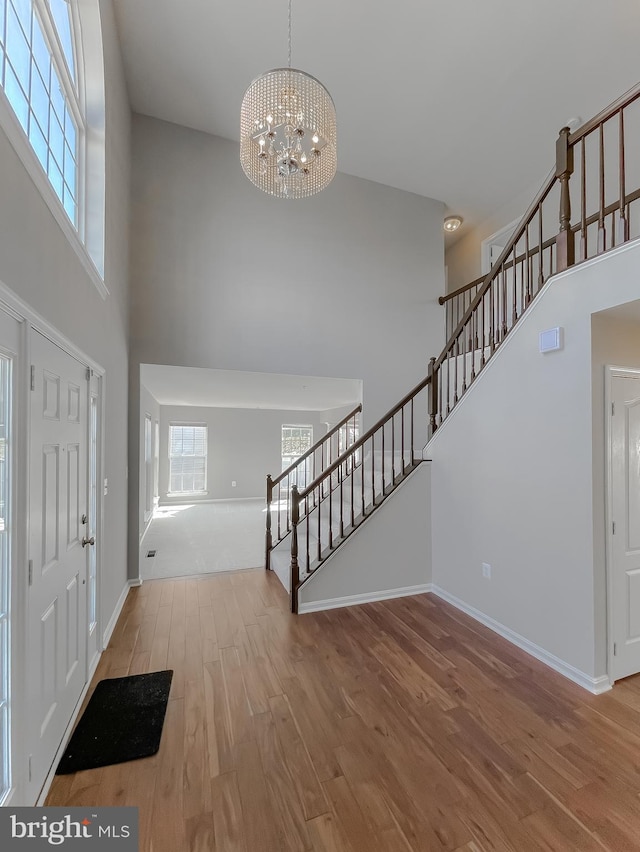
463,252
343,284
389,553
40,266
333,416
244,445
513,476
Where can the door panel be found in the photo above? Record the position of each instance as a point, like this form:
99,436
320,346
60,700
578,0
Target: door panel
57,596
94,645
625,531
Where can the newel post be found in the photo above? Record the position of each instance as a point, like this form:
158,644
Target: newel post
295,568
268,539
433,396
565,243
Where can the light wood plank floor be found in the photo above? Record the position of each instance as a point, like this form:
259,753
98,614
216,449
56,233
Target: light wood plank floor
388,727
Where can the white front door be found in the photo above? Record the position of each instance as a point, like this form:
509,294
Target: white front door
10,622
57,602
625,525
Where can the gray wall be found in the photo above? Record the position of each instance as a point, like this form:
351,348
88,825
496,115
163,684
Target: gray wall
244,445
517,473
344,284
38,263
391,553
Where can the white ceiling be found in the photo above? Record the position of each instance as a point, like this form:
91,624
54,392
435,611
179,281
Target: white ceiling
204,387
458,101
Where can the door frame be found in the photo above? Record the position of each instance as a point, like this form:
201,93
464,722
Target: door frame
31,322
611,372
485,245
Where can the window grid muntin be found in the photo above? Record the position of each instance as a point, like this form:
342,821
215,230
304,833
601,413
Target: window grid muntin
62,38
62,92
188,458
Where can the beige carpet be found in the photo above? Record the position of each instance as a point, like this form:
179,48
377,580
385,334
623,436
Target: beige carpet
204,538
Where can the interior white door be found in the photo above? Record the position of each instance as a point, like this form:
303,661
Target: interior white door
625,529
57,602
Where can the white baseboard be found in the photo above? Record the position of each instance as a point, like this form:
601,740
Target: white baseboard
106,636
367,597
167,502
595,685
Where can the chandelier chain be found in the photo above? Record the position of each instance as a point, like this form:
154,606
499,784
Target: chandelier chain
289,33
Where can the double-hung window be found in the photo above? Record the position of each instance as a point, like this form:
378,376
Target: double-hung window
296,440
38,73
187,458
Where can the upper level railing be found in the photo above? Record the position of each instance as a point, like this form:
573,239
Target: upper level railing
305,468
596,174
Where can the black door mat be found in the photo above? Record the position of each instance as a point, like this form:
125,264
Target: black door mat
122,721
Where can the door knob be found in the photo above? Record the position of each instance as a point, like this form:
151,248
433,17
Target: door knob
86,541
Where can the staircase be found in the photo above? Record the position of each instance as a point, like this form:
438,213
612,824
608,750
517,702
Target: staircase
355,494
344,494
306,525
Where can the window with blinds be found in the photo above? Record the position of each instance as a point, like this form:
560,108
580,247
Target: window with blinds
187,458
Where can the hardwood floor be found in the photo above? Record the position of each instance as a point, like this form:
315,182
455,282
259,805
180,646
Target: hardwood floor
388,727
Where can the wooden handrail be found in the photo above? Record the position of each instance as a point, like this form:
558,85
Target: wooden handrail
532,209
589,220
448,296
317,445
357,444
604,115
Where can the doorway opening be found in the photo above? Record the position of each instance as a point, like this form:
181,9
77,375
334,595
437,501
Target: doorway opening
623,522
220,432
493,246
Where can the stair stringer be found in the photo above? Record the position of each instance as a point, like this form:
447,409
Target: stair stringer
387,556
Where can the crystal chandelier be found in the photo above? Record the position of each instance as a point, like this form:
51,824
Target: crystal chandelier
288,132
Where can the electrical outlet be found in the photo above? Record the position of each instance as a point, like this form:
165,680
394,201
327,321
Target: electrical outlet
233,483
486,570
